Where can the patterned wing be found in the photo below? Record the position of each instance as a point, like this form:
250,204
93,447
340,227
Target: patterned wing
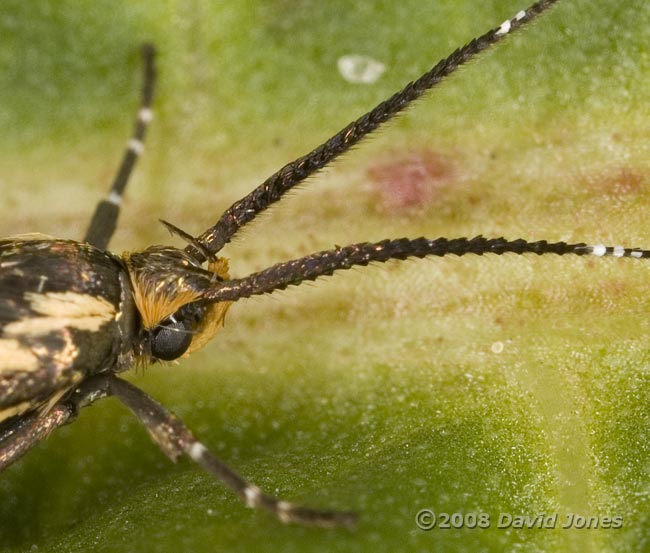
64,315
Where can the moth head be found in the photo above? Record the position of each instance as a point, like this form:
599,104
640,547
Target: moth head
167,287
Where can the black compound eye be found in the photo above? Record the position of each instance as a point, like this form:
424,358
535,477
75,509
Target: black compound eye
171,341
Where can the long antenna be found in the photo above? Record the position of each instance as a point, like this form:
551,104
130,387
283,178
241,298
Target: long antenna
104,220
311,267
278,184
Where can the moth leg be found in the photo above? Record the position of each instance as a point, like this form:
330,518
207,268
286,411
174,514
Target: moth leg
20,435
175,439
104,220
26,432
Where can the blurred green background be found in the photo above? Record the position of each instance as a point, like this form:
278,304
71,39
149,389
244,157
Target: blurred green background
486,385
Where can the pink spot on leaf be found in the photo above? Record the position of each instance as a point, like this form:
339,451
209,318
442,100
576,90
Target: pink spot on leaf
410,181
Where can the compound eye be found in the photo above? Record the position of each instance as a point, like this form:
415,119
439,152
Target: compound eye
171,341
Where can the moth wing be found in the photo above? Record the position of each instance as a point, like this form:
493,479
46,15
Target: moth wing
59,306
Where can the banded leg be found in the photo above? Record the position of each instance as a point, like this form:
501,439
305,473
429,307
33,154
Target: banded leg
175,439
325,263
273,188
25,432
104,220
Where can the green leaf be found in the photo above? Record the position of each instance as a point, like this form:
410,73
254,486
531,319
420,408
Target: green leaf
490,385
